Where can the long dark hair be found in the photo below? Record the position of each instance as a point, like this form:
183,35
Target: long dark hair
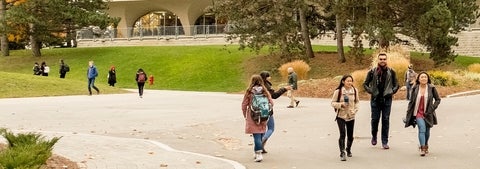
343,80
418,78
264,75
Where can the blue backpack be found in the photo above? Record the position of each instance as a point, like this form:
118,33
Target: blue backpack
260,108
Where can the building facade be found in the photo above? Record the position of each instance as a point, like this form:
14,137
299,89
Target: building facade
130,11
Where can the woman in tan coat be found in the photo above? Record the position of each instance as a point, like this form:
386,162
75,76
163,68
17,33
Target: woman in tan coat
252,127
345,102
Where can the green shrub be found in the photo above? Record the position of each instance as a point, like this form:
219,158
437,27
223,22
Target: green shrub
442,78
29,150
475,68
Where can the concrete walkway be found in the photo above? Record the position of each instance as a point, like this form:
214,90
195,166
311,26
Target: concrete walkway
184,130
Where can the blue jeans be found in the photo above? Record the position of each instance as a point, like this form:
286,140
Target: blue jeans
381,109
423,132
270,128
91,83
257,139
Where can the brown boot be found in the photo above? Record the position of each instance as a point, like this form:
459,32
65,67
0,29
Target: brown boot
422,151
426,149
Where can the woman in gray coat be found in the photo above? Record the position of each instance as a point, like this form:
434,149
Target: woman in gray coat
421,109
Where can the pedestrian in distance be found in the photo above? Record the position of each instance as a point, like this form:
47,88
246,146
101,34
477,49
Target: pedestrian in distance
255,87
345,103
45,69
92,73
112,76
36,69
381,83
275,94
64,68
410,76
292,81
421,109
141,77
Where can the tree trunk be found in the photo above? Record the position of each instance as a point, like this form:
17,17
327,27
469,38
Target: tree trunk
34,42
341,53
3,35
305,33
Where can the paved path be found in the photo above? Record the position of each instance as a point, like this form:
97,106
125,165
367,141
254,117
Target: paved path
184,130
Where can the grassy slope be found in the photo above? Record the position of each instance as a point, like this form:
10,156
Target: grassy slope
194,68
22,85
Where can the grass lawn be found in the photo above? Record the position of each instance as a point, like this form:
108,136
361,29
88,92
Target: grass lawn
189,68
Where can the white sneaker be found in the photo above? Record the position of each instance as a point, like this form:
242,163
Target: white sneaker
258,156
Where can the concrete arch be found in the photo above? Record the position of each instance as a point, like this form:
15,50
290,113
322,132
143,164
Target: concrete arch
130,10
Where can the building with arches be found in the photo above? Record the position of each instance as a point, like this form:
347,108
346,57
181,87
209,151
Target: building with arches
186,12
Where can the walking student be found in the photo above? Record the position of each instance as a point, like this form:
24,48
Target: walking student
141,77
410,76
345,102
64,68
112,76
275,94
92,73
381,83
421,109
256,86
292,81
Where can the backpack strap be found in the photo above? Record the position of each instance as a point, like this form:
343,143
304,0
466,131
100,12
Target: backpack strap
339,94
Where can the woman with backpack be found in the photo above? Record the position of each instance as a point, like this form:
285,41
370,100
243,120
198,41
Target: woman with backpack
257,129
141,77
345,102
275,94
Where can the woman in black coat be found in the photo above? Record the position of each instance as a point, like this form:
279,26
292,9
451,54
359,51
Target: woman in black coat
424,101
275,94
112,76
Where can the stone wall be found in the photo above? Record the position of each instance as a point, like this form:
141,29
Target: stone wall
469,42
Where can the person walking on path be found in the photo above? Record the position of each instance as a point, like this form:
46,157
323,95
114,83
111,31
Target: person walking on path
345,102
275,94
141,77
63,69
421,109
410,76
92,73
112,76
381,83
251,127
292,81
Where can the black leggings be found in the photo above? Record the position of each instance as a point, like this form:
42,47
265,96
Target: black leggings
140,88
348,126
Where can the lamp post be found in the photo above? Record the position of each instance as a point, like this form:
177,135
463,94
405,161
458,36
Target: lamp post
164,17
176,27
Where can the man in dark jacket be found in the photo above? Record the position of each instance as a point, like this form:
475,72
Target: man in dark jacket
292,81
63,69
381,83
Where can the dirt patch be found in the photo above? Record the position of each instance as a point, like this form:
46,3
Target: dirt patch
325,67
